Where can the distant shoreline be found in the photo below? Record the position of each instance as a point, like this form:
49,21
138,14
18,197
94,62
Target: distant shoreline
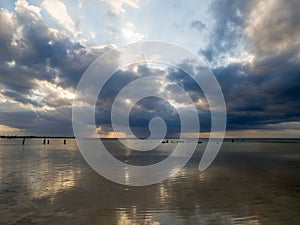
267,140
36,137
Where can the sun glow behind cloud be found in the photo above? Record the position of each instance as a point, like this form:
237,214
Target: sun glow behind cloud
6,130
54,94
130,34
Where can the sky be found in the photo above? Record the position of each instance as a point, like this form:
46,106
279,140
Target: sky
252,47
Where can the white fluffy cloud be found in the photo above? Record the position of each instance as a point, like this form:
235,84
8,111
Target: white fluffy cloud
59,12
118,5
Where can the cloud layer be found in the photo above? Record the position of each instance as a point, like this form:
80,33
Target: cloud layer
253,50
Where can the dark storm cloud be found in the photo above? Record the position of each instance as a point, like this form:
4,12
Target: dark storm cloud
31,53
266,90
17,78
182,79
261,27
54,123
72,59
19,98
20,120
151,107
108,94
110,91
143,111
227,30
259,95
39,51
57,123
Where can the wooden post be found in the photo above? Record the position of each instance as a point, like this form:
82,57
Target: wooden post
23,142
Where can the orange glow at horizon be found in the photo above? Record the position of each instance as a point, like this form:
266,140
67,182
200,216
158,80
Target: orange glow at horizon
112,134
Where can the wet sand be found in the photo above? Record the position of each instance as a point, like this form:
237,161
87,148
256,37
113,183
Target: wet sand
248,183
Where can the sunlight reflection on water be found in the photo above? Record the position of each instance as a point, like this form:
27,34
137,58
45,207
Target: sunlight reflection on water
249,183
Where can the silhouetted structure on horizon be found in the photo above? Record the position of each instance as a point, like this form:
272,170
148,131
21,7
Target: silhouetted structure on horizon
23,142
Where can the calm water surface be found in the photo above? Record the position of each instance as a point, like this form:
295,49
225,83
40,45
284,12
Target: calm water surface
248,183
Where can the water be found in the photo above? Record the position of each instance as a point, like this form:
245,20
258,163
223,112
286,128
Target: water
251,182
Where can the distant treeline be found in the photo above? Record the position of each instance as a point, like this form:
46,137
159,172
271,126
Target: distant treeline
47,137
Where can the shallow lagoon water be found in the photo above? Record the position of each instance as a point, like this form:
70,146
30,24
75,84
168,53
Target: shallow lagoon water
250,182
